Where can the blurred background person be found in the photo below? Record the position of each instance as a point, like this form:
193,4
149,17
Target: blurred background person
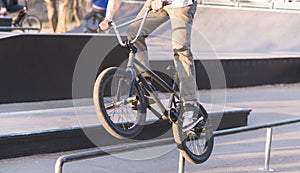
98,7
3,9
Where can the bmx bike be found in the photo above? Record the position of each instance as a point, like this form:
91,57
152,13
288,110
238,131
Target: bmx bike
122,97
24,21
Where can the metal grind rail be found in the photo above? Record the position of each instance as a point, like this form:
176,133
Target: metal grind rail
142,145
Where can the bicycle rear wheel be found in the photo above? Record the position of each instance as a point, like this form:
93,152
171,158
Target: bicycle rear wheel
196,146
119,103
31,22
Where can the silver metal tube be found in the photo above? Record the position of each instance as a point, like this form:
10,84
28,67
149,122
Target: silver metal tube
115,27
118,35
268,151
237,3
118,149
59,164
131,58
141,26
129,22
112,150
181,163
272,4
255,127
268,147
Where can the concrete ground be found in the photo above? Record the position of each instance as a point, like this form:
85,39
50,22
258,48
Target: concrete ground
243,152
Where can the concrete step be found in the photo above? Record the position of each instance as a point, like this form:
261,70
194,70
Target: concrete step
54,126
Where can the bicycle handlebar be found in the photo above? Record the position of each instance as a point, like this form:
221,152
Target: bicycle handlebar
143,18
115,27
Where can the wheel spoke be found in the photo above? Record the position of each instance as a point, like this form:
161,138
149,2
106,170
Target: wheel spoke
197,147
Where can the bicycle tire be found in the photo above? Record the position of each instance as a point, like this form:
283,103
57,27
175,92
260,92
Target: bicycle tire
122,121
184,140
31,21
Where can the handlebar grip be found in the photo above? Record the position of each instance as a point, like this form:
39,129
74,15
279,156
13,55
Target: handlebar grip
99,30
165,3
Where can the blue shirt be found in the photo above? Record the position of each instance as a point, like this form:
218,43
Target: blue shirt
100,3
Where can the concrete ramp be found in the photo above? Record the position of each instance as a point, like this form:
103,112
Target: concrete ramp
250,31
238,31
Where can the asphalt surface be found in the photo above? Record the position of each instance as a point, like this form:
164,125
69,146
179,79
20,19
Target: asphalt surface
243,152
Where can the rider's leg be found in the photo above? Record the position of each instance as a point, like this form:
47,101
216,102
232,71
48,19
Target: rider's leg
182,20
85,19
153,20
3,9
100,13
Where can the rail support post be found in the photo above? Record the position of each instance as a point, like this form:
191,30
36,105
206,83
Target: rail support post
268,151
59,165
181,164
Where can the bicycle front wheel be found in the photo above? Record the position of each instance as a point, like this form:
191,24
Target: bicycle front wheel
119,103
32,23
196,146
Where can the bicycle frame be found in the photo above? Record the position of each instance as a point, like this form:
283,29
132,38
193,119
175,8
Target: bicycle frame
17,19
134,65
160,82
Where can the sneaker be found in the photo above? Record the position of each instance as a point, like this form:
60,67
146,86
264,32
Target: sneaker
190,116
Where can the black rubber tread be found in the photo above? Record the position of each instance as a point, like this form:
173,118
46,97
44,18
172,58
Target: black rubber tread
98,96
180,139
32,17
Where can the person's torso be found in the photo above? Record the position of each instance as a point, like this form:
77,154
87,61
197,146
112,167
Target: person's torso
181,3
100,3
